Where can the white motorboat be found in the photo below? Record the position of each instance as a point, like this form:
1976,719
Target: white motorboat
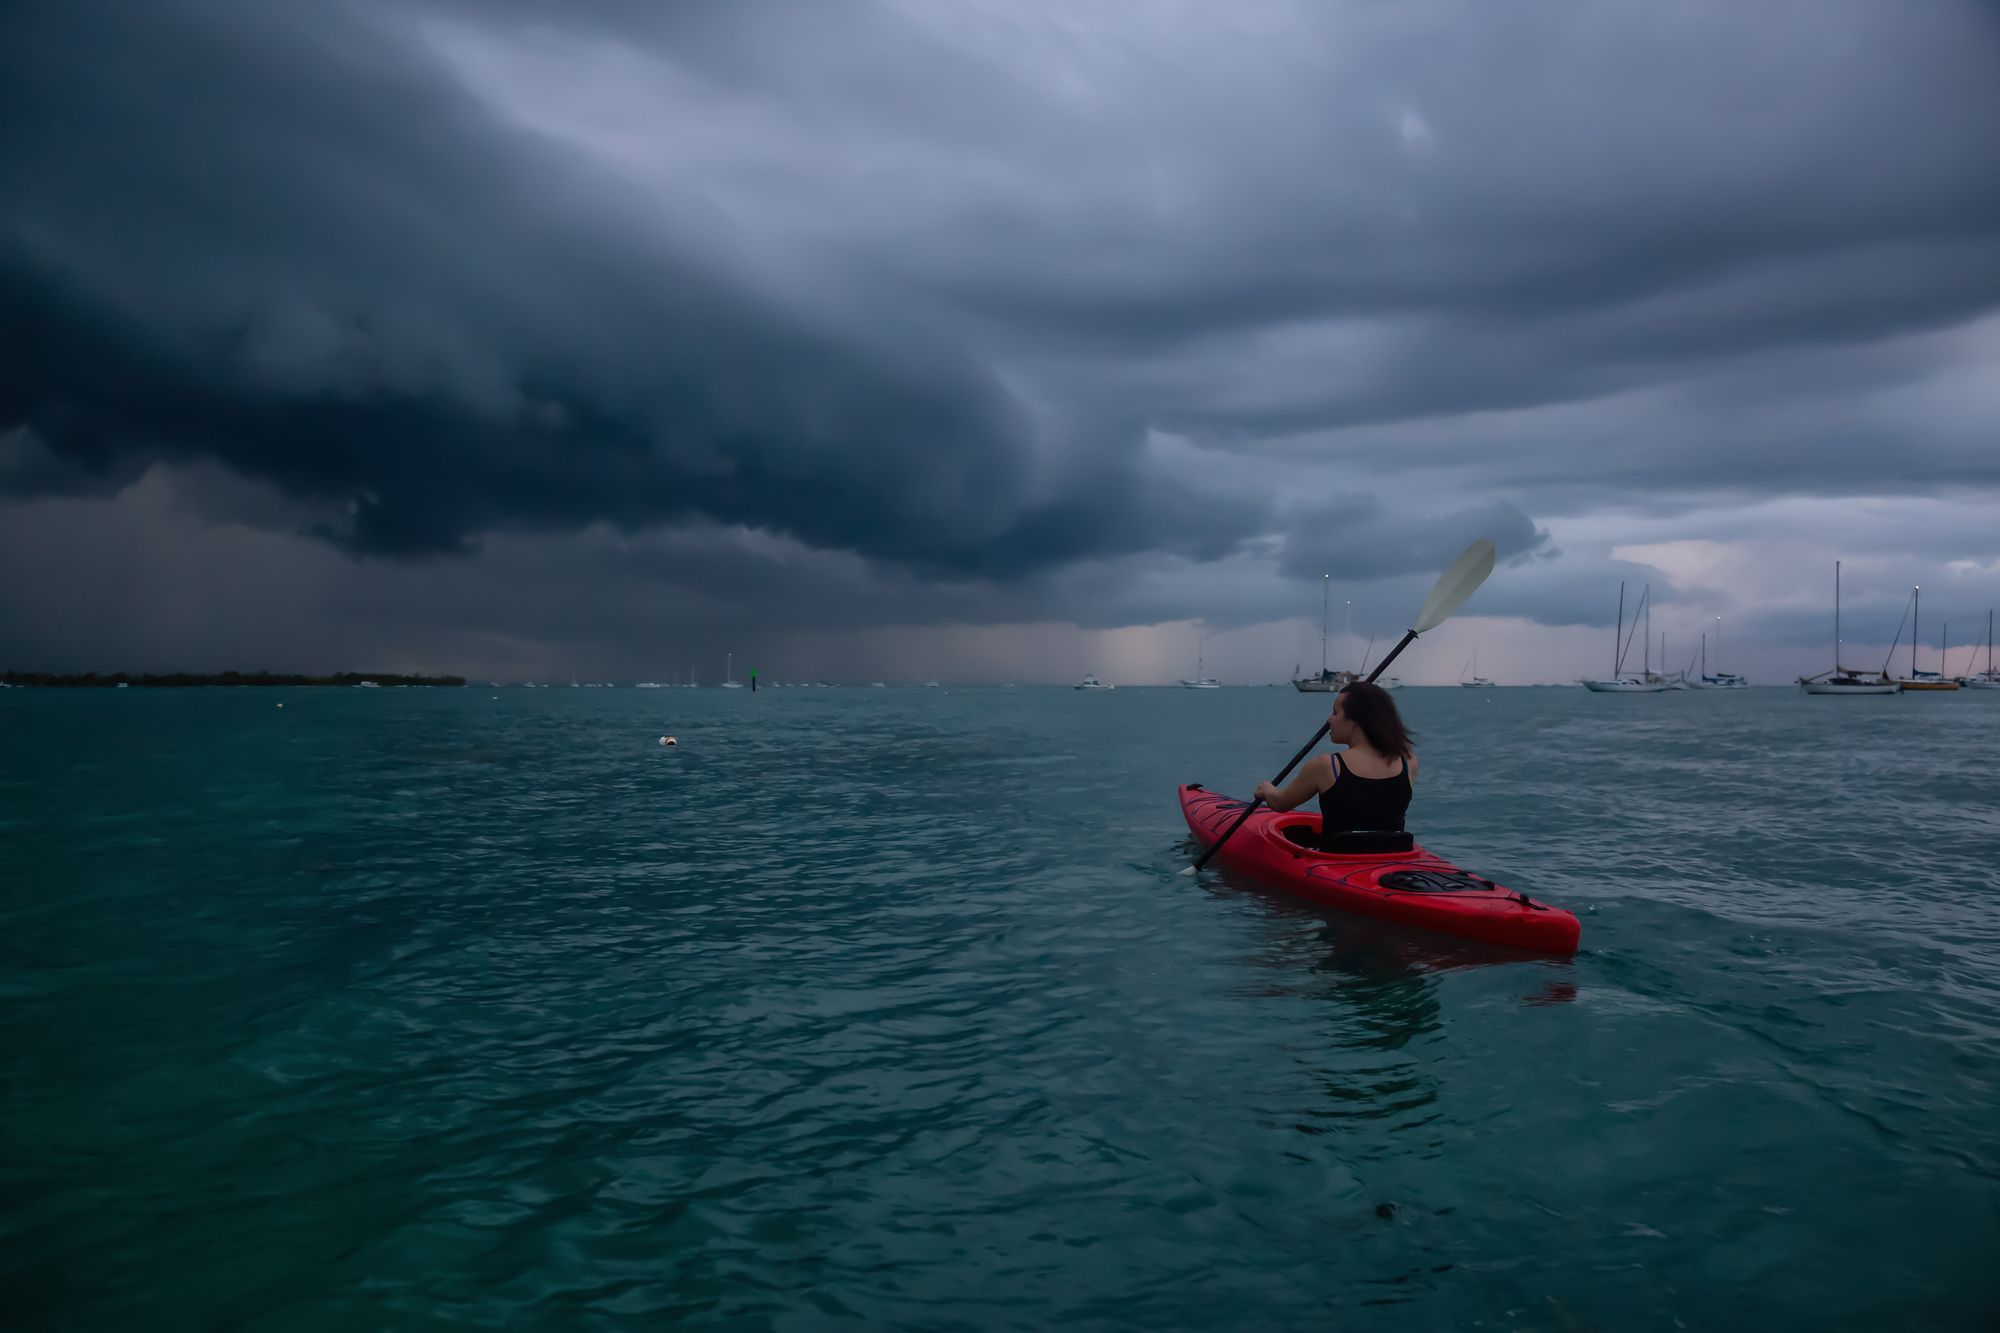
1091,682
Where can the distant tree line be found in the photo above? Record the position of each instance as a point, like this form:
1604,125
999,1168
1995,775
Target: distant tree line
93,680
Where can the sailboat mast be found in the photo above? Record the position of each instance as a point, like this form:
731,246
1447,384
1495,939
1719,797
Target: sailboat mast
1916,609
1718,649
1646,648
1618,635
1325,591
1704,655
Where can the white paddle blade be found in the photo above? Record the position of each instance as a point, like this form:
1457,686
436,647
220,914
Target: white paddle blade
1455,585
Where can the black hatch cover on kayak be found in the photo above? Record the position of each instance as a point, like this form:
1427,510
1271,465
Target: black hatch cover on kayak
1436,881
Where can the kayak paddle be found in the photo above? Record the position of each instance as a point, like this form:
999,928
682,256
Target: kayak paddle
1447,595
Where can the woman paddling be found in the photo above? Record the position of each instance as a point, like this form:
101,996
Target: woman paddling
1365,786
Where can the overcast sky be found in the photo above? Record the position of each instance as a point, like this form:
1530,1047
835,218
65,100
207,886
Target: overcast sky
990,339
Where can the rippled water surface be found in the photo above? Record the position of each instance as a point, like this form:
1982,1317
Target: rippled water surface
886,1008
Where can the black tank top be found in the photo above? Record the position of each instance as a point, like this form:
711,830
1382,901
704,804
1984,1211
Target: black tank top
1354,802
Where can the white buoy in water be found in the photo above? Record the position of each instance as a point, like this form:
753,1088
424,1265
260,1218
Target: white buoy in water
281,705
669,740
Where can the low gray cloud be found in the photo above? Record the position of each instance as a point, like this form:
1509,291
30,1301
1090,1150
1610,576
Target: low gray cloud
1358,536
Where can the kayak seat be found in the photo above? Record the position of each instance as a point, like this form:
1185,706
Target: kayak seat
1363,842
1367,842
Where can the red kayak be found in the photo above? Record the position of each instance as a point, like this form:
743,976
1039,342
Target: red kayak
1412,887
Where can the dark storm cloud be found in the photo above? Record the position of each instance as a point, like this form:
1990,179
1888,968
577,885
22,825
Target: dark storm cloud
292,249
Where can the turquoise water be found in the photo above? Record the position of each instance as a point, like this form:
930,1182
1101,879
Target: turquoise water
875,1009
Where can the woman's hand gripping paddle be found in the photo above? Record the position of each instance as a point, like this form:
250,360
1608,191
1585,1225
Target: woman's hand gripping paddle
1452,588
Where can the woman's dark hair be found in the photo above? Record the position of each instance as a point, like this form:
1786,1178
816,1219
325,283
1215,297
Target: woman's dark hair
1370,708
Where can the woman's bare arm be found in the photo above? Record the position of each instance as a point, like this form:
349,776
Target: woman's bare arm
1311,781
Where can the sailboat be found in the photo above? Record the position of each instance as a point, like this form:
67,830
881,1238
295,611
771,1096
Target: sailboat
1327,681
1988,679
729,681
1201,681
1840,680
1477,682
1721,680
1922,680
1621,681
1679,680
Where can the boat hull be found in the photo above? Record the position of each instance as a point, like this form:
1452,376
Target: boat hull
1627,686
1383,885
1850,687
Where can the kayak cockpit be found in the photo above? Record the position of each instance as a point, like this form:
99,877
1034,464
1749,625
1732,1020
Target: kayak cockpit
1302,832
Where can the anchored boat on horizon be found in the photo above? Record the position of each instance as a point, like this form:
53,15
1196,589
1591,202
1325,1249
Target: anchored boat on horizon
1620,681
1988,679
1327,681
1721,680
1918,680
1840,680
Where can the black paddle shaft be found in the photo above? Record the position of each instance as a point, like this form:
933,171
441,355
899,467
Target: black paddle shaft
1409,637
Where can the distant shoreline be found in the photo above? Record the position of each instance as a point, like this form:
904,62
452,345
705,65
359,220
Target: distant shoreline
176,679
